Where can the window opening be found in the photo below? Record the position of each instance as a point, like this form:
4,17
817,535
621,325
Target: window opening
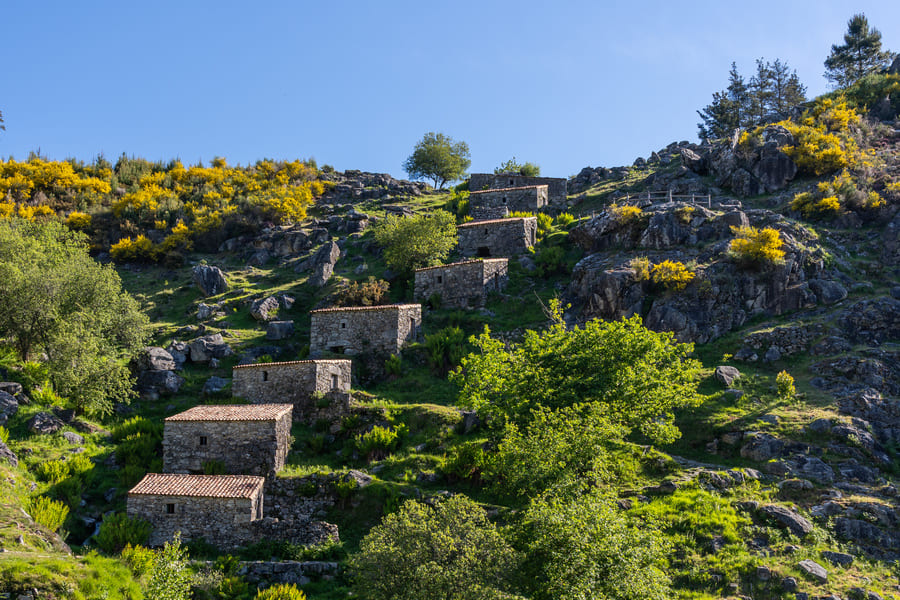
170,509
334,382
265,375
202,440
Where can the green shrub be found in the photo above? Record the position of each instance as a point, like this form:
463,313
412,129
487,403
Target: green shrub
34,375
170,576
785,385
52,471
49,513
369,293
213,467
446,348
641,267
139,441
120,530
550,260
564,219
393,365
4,434
380,441
139,558
281,591
465,461
544,224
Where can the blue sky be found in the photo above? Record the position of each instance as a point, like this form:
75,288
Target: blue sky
356,84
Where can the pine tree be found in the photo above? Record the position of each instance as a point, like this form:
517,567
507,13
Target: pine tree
786,89
860,54
727,111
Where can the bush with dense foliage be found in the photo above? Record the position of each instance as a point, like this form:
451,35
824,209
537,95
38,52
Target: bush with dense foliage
671,275
623,215
170,576
418,241
756,247
635,376
446,551
281,591
446,348
371,292
835,196
119,530
380,441
49,513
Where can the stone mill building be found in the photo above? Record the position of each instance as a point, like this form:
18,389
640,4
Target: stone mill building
246,439
497,203
364,329
316,388
497,237
556,186
462,284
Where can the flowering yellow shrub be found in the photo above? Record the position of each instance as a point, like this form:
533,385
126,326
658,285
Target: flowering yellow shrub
624,214
756,246
137,249
178,239
671,275
30,213
78,220
641,267
7,210
835,196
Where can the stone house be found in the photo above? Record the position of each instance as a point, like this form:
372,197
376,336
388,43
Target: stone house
556,186
488,204
217,508
246,439
317,388
356,330
463,284
497,237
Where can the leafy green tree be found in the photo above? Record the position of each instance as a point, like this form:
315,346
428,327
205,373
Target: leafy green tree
511,167
450,551
418,241
859,55
728,109
437,157
635,376
56,300
170,577
581,546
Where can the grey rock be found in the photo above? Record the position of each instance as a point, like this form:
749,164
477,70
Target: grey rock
9,406
156,383
829,292
153,358
813,570
73,438
323,263
179,351
813,468
209,346
763,573
44,423
12,388
263,309
795,485
727,375
819,426
761,446
279,330
789,584
287,302
789,519
469,421
772,354
214,385
8,455
838,558
210,280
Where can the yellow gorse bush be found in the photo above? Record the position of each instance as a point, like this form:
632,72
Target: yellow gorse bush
756,246
835,196
624,214
671,275
78,220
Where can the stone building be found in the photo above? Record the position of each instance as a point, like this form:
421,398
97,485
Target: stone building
556,186
497,237
317,388
463,284
249,439
224,510
364,329
490,204
217,508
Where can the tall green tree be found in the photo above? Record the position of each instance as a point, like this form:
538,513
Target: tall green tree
728,110
418,241
859,55
56,301
449,551
439,158
634,376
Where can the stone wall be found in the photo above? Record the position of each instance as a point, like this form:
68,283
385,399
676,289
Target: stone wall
556,186
530,198
224,522
496,238
244,447
463,284
317,388
364,329
488,213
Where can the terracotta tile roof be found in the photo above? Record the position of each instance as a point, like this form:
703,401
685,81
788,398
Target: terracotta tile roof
233,412
464,262
207,486
509,189
356,308
492,221
292,362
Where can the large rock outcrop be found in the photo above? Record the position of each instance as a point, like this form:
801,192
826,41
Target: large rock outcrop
210,280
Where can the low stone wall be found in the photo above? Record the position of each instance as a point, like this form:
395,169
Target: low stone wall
556,186
285,571
517,199
488,213
464,284
243,447
500,237
780,341
317,388
364,329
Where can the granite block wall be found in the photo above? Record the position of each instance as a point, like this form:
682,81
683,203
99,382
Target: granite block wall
556,186
497,238
464,284
364,329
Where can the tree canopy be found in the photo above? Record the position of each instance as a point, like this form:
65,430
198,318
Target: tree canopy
859,55
439,158
637,377
418,241
57,301
774,88
511,167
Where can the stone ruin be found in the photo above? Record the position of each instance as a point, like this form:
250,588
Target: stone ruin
556,186
463,284
357,330
497,237
317,389
244,439
497,203
224,510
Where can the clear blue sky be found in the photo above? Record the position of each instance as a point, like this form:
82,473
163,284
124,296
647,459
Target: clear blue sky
356,84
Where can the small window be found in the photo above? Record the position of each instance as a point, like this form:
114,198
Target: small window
170,509
440,279
343,324
504,199
265,375
334,382
511,182
202,440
